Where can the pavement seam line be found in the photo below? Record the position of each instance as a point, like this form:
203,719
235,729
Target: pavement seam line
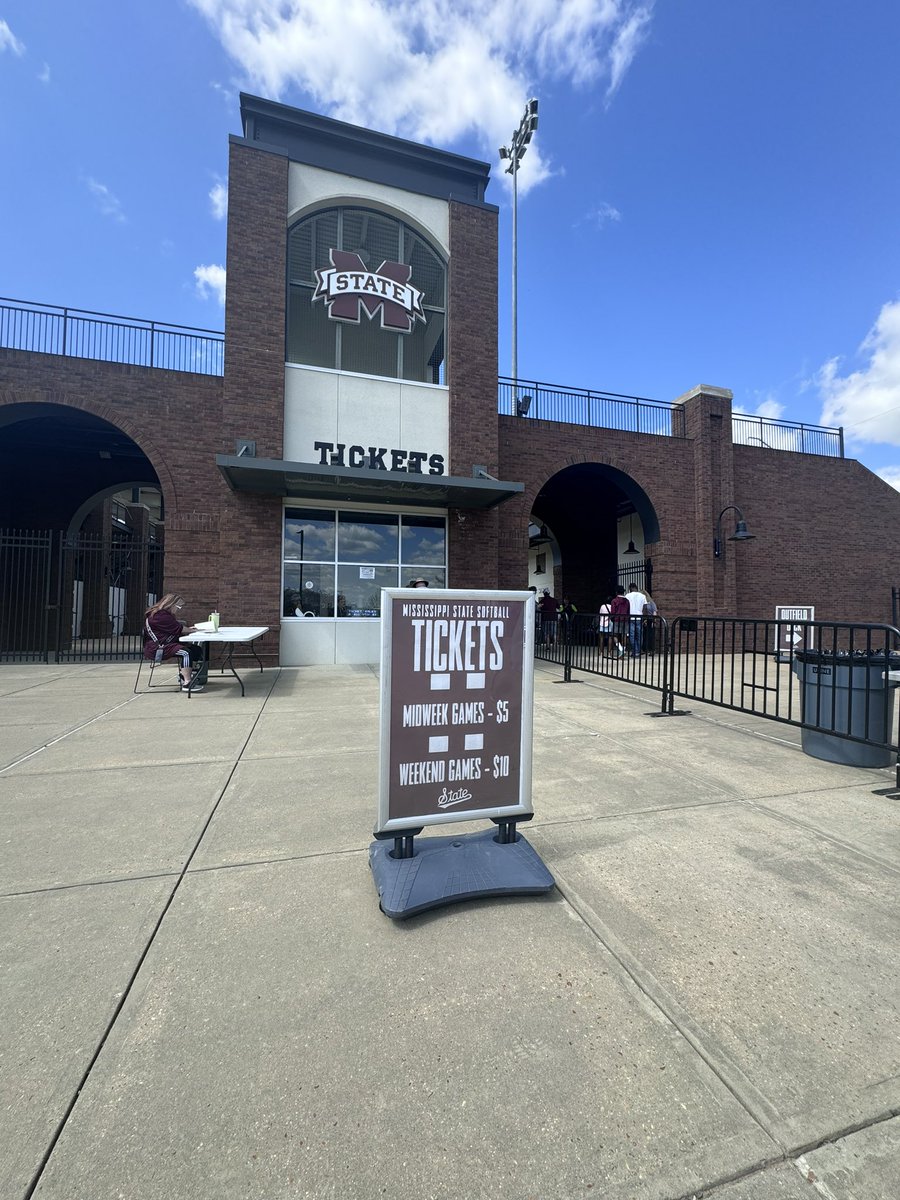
750,1098
790,1156
86,883
126,991
52,742
866,855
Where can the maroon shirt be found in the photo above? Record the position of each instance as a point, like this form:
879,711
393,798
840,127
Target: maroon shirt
168,629
548,606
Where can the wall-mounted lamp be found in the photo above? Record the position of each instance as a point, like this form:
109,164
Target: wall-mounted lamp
522,406
741,533
631,548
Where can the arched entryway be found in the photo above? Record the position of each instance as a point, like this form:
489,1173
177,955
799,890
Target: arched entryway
591,528
81,535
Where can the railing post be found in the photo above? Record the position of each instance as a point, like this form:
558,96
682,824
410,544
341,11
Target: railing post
841,444
567,649
65,329
152,338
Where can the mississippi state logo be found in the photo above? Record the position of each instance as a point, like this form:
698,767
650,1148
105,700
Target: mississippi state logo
347,286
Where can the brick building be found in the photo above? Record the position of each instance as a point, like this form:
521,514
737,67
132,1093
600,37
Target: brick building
354,439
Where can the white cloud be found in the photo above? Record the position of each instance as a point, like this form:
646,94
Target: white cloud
431,70
107,202
867,401
766,408
44,73
603,214
629,38
750,427
210,280
890,475
218,200
9,41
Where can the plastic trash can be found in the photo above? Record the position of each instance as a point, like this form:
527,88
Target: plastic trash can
834,689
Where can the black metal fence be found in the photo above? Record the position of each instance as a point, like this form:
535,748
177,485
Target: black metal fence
626,648
584,406
834,680
48,329
529,399
76,599
773,434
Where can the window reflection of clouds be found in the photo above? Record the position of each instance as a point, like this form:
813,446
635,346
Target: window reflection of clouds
423,540
312,533
373,541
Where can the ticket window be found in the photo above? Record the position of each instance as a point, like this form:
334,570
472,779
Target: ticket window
337,561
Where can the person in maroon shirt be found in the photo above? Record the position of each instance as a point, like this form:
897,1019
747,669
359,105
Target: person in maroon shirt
162,629
548,607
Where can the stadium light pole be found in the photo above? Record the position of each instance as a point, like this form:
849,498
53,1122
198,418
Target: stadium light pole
515,152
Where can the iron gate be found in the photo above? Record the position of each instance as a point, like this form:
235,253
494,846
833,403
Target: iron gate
75,599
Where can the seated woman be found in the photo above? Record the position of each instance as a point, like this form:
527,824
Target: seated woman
162,629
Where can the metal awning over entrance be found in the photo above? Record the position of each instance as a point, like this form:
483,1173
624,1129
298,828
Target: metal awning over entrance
274,477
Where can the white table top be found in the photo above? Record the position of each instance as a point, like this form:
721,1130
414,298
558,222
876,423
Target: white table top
228,633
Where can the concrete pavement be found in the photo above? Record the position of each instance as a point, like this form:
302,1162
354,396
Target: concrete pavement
202,999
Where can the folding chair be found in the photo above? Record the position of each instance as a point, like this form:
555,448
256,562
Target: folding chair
153,665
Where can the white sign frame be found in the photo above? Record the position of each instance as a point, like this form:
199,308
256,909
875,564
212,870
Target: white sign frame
784,628
456,600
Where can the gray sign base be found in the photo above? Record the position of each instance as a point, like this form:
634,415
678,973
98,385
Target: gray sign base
445,870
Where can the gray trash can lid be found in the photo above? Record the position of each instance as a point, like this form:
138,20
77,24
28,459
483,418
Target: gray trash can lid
859,658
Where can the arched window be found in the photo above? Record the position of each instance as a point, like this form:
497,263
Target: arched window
355,334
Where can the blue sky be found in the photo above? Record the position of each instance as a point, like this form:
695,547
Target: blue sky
713,195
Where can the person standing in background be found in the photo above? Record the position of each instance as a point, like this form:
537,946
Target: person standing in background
651,612
620,610
636,601
549,609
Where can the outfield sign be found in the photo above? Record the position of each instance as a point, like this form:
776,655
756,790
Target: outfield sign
791,637
457,675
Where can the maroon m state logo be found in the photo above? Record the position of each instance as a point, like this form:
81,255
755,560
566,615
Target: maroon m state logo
347,284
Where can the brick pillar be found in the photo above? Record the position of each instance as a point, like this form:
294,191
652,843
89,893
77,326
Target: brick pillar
249,535
472,375
707,415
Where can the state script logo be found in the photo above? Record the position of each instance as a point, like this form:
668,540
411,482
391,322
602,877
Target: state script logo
347,285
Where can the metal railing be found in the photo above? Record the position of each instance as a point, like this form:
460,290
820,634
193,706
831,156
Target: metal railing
631,649
584,406
831,679
79,333
636,414
772,434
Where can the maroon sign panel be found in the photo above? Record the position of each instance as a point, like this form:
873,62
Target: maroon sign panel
456,677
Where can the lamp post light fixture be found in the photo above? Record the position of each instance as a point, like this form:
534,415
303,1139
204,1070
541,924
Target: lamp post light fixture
514,153
741,533
631,548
